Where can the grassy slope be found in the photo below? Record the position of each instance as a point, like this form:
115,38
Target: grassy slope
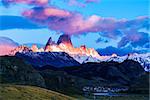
17,92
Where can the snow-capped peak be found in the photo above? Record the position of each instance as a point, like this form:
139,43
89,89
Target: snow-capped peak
143,59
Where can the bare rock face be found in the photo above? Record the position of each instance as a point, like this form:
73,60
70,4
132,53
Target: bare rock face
65,39
49,42
21,48
34,48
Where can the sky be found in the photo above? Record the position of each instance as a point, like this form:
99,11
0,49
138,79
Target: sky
96,23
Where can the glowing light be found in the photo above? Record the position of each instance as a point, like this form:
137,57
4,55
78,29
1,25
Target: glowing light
62,47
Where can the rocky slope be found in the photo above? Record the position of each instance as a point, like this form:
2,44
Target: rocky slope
64,44
143,59
39,59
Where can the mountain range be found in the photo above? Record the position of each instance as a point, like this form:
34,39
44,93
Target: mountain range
61,67
63,53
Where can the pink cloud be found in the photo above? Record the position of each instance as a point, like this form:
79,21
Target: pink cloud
61,20
74,23
134,38
45,2
56,12
32,2
42,13
69,22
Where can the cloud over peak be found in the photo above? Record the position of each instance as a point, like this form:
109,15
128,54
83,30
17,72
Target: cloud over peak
62,20
134,38
74,23
42,13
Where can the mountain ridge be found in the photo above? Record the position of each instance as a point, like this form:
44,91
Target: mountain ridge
81,54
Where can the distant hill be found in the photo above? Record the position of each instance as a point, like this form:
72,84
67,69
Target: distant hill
20,92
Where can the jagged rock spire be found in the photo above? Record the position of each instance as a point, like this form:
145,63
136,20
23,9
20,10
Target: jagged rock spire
64,39
49,42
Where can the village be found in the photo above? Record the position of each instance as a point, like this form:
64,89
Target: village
100,89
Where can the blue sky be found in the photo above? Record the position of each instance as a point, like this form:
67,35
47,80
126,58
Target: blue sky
112,8
118,9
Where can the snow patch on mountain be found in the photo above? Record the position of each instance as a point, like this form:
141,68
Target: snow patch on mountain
143,59
84,59
39,59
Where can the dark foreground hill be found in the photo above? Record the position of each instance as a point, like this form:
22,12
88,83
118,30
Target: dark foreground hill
71,80
15,70
124,73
